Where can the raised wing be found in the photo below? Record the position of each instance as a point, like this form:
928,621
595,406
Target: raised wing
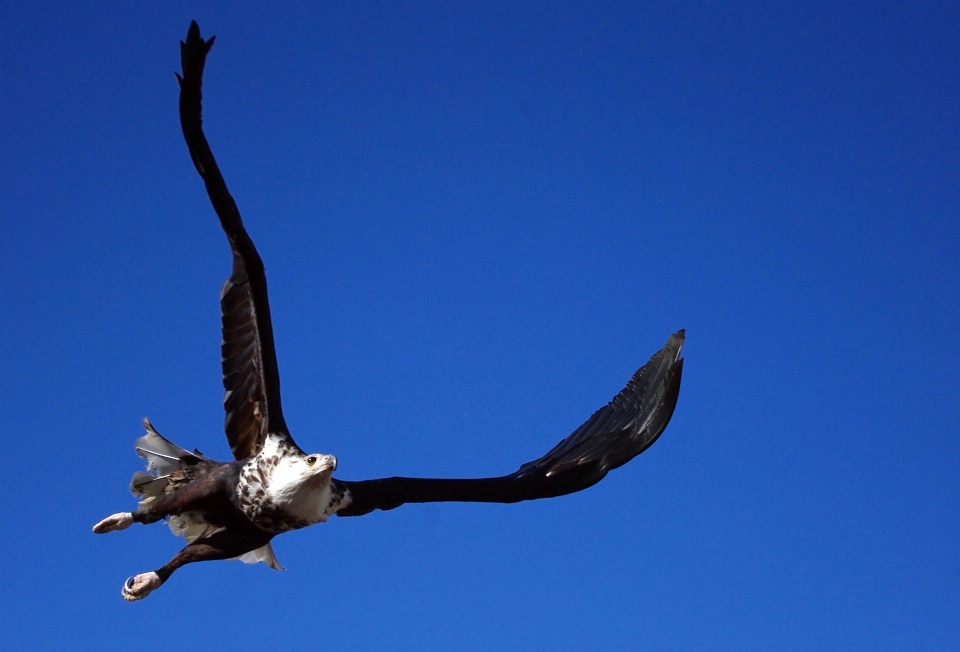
250,375
614,435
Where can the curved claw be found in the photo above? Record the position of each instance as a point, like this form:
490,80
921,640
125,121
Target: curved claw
140,586
120,521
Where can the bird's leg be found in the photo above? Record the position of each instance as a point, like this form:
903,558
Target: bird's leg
222,545
140,586
156,510
193,496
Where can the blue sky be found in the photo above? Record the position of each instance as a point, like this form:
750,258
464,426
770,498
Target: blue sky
478,220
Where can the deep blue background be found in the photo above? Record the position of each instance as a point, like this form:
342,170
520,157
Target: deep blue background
478,220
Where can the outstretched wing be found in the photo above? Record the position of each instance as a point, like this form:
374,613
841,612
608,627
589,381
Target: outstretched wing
614,435
250,375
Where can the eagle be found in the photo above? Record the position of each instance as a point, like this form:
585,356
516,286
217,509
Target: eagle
232,510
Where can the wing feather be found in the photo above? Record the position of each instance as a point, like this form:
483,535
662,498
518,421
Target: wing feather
251,379
611,437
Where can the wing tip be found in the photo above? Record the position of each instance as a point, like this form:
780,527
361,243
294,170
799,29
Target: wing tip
675,343
194,40
193,56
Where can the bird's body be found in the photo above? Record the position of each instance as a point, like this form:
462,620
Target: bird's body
277,490
234,509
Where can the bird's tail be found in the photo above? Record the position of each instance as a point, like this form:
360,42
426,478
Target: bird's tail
166,463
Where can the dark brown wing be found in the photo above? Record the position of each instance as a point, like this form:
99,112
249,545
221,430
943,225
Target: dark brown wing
614,435
250,375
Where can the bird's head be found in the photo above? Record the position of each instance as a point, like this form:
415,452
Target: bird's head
298,484
317,465
296,473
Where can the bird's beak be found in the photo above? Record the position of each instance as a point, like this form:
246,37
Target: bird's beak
327,465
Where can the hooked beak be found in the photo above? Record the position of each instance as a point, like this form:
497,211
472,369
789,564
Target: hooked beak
327,464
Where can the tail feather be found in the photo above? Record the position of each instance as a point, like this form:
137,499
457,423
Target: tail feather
264,554
166,462
148,485
162,456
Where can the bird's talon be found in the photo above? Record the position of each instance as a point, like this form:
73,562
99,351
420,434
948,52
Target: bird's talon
140,586
120,521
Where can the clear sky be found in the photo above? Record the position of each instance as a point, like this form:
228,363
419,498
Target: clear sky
478,220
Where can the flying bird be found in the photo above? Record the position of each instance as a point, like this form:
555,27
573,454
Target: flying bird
228,510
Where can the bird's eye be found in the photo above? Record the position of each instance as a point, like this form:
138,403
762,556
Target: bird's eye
312,460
